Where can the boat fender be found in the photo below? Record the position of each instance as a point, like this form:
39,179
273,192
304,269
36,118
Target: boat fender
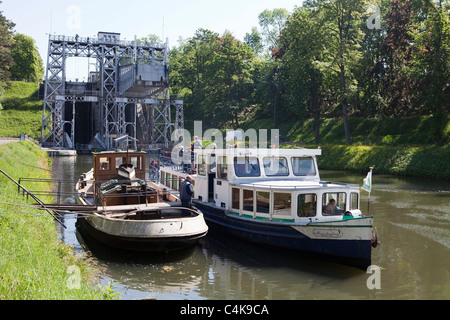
374,240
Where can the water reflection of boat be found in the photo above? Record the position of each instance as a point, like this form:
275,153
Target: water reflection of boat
275,197
138,275
133,214
245,270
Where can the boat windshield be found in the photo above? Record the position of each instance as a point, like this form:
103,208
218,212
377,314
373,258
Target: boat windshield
303,166
247,167
276,166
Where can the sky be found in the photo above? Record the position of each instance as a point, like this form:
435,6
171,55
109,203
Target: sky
167,19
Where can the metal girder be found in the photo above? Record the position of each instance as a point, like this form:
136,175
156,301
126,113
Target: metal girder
53,112
162,125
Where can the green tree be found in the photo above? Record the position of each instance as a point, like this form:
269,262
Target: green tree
272,23
302,78
231,77
6,45
151,38
188,73
369,98
341,39
254,40
215,74
431,62
27,61
396,61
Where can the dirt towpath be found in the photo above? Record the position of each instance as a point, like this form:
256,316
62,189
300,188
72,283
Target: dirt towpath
8,140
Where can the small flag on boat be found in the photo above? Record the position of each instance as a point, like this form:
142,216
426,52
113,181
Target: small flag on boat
367,182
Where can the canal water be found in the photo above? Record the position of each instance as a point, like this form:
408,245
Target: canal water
412,217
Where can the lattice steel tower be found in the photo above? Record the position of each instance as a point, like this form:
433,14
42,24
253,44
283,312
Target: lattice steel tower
128,94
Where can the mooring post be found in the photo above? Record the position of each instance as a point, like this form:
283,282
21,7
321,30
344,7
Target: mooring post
59,192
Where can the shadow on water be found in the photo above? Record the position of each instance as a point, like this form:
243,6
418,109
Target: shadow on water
259,256
244,270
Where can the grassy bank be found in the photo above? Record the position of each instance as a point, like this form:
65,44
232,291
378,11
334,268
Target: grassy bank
406,131
21,110
430,162
34,264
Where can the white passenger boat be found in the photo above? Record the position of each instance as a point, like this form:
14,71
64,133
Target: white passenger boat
130,213
275,197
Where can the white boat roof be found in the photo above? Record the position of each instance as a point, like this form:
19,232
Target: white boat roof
294,185
281,184
261,152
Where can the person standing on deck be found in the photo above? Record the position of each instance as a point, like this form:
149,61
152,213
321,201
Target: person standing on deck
186,193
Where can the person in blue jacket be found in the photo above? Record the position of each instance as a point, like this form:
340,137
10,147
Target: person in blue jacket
186,193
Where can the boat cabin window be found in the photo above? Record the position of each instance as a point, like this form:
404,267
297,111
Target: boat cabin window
175,182
333,203
235,195
104,163
119,161
275,166
248,200
303,166
306,205
281,203
354,201
222,168
246,167
262,202
201,165
136,162
212,166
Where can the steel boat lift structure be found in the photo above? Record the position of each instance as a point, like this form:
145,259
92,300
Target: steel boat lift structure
127,94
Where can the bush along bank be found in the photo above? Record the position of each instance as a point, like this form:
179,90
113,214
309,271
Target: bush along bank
34,263
424,161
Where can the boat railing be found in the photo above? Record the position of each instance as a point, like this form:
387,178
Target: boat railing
173,212
59,191
351,185
63,191
64,197
295,187
182,164
257,186
153,174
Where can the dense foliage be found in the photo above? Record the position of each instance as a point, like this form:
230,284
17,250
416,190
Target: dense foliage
326,59
6,45
28,64
19,56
